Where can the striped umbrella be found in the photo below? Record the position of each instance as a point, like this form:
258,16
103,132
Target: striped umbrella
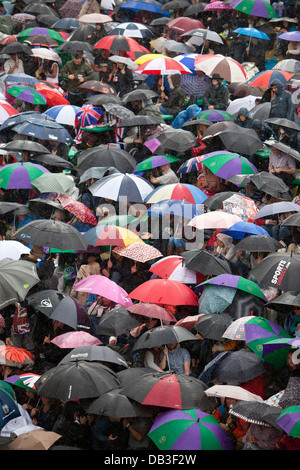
20,175
37,31
265,78
289,421
116,43
188,60
154,162
190,429
162,66
114,235
228,68
26,93
132,30
63,114
177,191
215,115
6,110
260,8
173,268
226,164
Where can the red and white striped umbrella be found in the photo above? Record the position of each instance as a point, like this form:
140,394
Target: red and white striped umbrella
173,268
228,68
6,110
162,66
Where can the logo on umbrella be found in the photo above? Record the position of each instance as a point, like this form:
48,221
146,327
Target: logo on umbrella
279,273
46,303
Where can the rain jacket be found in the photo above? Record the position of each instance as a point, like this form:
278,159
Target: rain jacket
184,116
248,124
216,96
81,69
282,105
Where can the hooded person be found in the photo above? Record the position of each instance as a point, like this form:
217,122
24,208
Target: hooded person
264,131
282,104
243,119
225,247
186,115
217,94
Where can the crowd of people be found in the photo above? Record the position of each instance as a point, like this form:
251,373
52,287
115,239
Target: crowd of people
171,103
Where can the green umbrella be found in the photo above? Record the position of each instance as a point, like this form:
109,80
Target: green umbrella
259,332
40,31
215,115
53,183
154,162
26,93
20,175
260,8
226,164
189,430
236,282
289,421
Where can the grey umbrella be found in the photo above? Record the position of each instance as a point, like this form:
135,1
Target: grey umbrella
256,243
118,110
71,47
72,313
104,155
212,326
281,122
239,367
179,140
284,148
139,121
25,146
139,94
8,206
118,321
97,172
17,277
101,99
261,111
239,140
114,403
250,411
95,353
163,335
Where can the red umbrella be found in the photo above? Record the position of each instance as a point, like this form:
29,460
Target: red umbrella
15,357
173,268
80,210
164,292
53,96
183,24
117,43
189,322
152,311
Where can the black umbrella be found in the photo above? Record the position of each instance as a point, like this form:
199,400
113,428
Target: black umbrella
45,301
216,128
271,414
271,184
261,111
175,4
209,264
55,161
41,9
71,312
104,98
196,122
139,94
163,335
216,201
284,148
133,374
282,122
212,326
279,270
104,155
81,33
51,233
285,302
17,277
250,411
8,206
117,405
170,390
179,140
239,367
76,380
25,146
71,47
44,207
244,305
241,140
256,243
46,19
15,48
139,121
95,353
292,220
162,20
117,321
194,9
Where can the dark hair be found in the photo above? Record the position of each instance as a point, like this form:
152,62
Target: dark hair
69,409
78,55
2,229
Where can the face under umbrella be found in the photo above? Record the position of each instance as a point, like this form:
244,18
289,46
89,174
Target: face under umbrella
76,380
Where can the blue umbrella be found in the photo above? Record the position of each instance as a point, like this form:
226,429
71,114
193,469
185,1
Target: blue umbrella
18,78
176,208
188,60
8,408
152,5
252,33
44,130
240,229
66,24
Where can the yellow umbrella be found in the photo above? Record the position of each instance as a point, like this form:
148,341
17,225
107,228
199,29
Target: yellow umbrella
112,235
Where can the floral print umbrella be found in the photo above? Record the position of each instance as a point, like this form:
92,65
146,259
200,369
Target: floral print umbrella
81,211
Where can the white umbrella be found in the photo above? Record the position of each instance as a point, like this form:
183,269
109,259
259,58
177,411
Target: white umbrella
93,18
12,249
214,219
246,102
232,391
44,53
119,186
236,330
124,60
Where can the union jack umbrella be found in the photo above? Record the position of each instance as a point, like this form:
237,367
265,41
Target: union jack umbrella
24,380
88,115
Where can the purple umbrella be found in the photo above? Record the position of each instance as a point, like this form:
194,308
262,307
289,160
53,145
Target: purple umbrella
189,430
19,175
291,36
237,282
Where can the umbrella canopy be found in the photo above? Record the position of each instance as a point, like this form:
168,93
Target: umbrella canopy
25,146
177,191
106,156
6,110
72,313
38,31
26,93
252,412
247,145
162,66
216,219
12,249
138,252
285,301
182,24
164,292
247,102
75,339
44,130
265,78
117,405
260,8
277,208
208,264
236,330
101,285
179,209
53,183
232,391
162,335
53,96
215,115
21,78
20,175
240,229
133,188
292,221
190,429
17,277
95,352
93,234
96,86
88,115
179,140
37,439
117,43
66,24
132,30
174,268
226,164
45,301
259,243
15,357
236,282
9,407
26,381
278,270
289,421
53,234
212,326
75,380
154,162
271,184
252,33
152,311
118,321
94,18
169,390
116,236
228,68
239,367
78,209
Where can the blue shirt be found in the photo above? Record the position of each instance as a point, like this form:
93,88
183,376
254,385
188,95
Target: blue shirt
177,359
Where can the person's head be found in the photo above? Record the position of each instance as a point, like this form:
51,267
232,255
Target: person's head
112,340
58,215
250,188
104,301
105,53
136,105
165,168
296,309
77,58
216,79
121,65
172,346
36,253
243,114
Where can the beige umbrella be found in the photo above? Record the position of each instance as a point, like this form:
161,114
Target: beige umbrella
34,440
94,18
232,391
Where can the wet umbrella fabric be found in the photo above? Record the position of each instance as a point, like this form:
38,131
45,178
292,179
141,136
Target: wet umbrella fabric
76,380
244,142
239,366
256,243
117,186
74,339
114,403
118,321
207,263
101,285
72,313
8,410
162,335
278,270
95,353
106,156
213,326
165,292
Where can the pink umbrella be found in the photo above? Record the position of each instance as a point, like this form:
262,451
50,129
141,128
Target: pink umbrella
183,24
73,339
218,5
214,219
105,287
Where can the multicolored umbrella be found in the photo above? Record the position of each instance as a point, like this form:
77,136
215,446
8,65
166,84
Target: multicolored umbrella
260,8
63,114
22,17
189,430
132,30
121,187
138,252
240,229
26,93
228,68
192,164
78,209
15,357
154,162
20,175
101,285
6,110
164,292
114,235
117,43
88,115
173,268
226,164
152,311
177,191
52,95
217,5
162,66
26,381
289,421
258,332
236,282
92,235
265,78
215,115
8,407
37,31
242,206
236,330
